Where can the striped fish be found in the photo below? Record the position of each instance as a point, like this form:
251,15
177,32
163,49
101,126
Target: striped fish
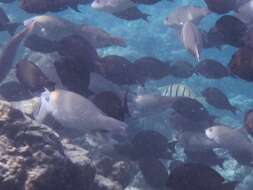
177,90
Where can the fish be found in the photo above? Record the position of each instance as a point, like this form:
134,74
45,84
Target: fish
207,157
99,38
177,90
154,172
197,176
148,103
244,13
100,84
218,99
9,52
6,24
74,111
73,46
192,39
31,77
48,27
182,69
198,148
211,69
234,140
147,2
74,74
241,64
184,14
191,109
112,6
212,39
116,69
150,68
42,6
182,123
195,141
248,121
140,146
112,105
232,29
220,7
132,13
7,1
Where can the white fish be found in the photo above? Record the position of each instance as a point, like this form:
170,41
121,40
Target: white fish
74,111
112,6
185,14
192,39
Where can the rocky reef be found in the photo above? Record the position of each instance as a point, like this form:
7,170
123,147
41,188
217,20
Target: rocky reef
34,157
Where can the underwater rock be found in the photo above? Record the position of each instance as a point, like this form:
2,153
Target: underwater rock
36,158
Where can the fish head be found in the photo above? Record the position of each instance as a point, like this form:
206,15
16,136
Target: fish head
44,107
30,21
212,133
34,25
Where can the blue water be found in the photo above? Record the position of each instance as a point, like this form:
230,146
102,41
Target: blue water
155,39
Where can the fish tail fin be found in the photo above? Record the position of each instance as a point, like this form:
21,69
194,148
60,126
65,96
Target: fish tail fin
234,109
75,8
12,27
145,17
119,41
230,185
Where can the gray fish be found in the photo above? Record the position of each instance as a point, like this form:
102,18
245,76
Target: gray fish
186,14
235,140
76,112
192,39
